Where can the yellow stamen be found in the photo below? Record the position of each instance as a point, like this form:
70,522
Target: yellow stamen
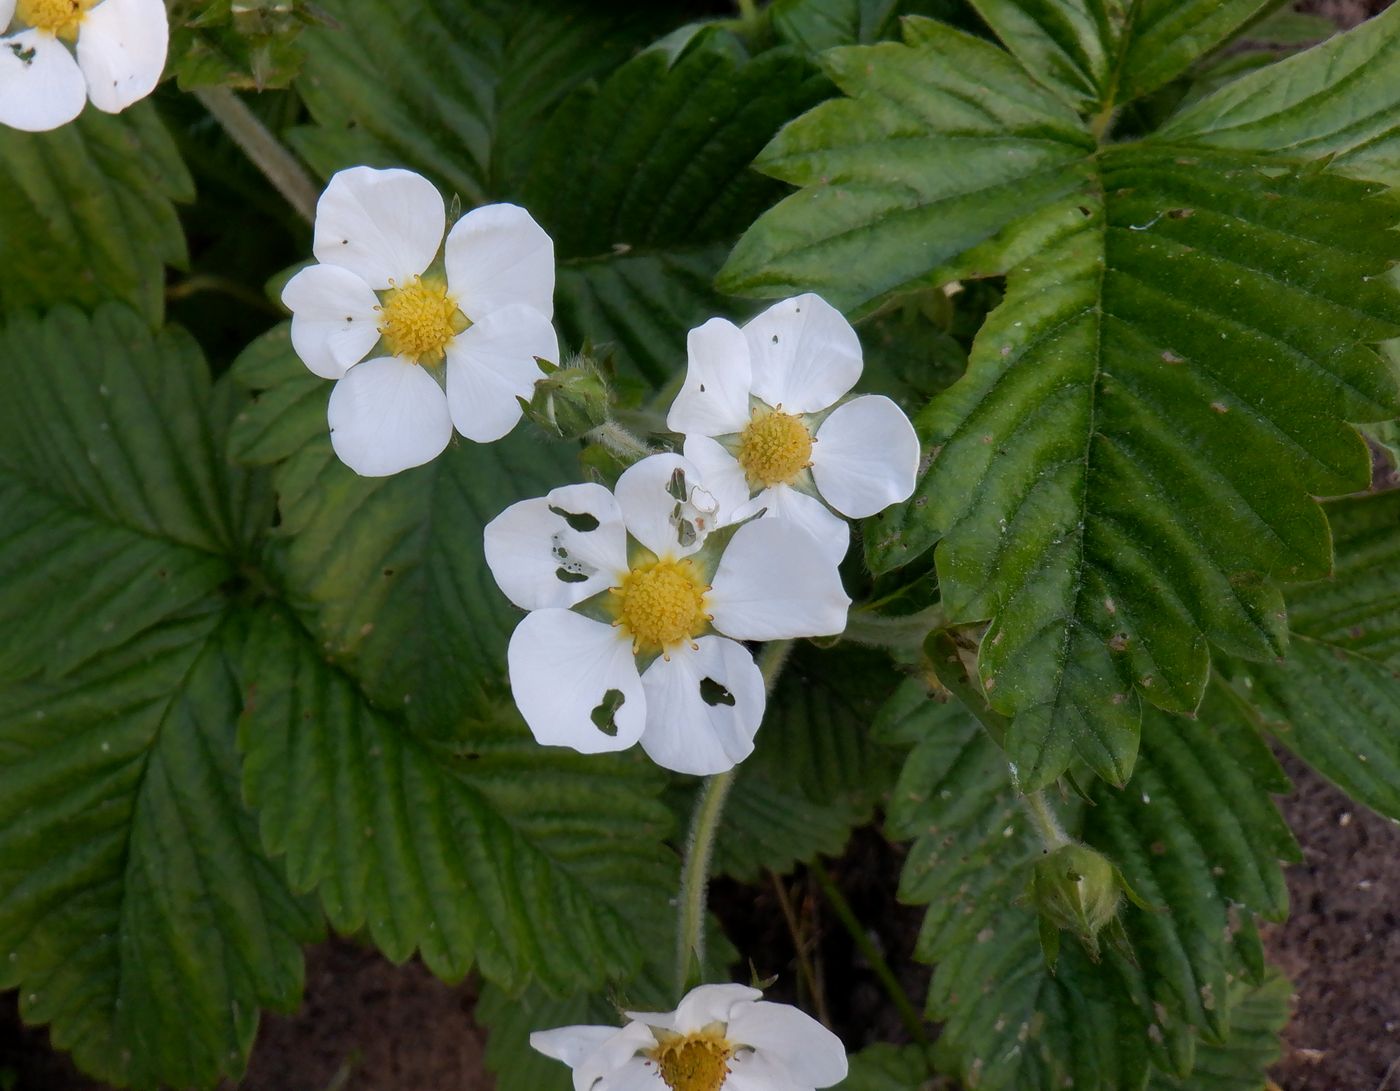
774,448
694,1062
661,605
419,320
59,17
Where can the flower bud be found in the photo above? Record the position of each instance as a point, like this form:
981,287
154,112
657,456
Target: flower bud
569,401
1078,889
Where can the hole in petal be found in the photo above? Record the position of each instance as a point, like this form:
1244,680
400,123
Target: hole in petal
580,521
712,693
676,486
604,714
565,575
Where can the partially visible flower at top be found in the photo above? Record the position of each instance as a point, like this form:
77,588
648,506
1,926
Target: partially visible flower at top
636,606
459,336
763,420
120,46
720,1038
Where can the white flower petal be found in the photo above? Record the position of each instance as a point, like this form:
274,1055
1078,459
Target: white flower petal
498,256
7,12
121,50
491,364
831,533
750,1071
773,582
702,1005
714,400
866,456
638,1074
530,543
387,415
723,476
562,667
804,353
647,504
380,224
334,321
41,86
685,732
792,1041
571,1044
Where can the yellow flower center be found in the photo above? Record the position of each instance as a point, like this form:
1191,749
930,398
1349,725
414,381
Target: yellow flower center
59,17
420,320
695,1062
774,448
661,604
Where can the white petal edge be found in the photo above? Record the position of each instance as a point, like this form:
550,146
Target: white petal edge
703,1005
805,355
647,505
43,92
7,13
831,533
794,1042
383,225
613,1053
571,1044
686,734
866,456
387,416
775,582
723,476
528,543
334,321
491,364
714,399
498,256
562,665
121,50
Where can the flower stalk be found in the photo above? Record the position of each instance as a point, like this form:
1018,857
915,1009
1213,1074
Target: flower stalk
267,153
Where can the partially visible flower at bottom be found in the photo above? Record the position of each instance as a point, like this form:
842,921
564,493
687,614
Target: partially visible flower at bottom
636,607
720,1038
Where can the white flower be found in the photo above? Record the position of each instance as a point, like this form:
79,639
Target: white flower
120,47
760,415
720,1037
459,337
633,600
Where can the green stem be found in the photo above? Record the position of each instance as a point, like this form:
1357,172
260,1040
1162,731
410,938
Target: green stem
700,844
913,1022
280,166
865,626
1042,816
620,441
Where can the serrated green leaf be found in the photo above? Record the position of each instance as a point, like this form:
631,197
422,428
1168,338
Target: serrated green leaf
1098,389
1335,699
450,851
817,25
1339,99
1195,833
137,915
86,212
1257,1017
389,573
1100,54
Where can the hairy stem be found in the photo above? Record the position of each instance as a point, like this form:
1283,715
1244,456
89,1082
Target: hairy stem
865,626
1042,816
908,1014
620,441
267,153
700,844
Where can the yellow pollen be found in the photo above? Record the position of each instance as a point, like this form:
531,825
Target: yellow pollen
774,448
59,17
419,320
661,604
695,1062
